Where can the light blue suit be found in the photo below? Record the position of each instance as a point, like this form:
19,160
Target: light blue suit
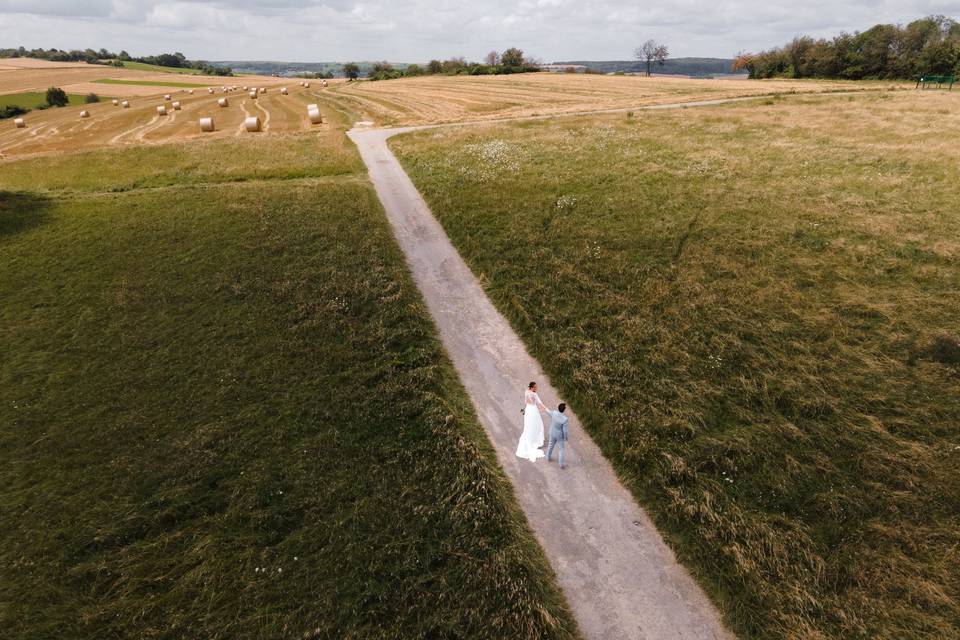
559,434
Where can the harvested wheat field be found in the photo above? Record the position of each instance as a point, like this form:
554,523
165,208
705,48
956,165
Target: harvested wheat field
437,99
59,130
19,75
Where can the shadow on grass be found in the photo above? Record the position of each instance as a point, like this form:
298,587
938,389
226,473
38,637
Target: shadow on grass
21,211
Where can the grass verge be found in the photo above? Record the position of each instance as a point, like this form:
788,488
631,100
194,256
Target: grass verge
754,310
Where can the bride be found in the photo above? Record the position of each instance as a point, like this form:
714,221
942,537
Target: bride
532,437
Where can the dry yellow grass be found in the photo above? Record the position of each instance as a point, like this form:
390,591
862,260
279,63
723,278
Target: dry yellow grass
435,99
60,130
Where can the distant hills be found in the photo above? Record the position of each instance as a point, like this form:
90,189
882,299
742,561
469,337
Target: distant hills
275,68
679,66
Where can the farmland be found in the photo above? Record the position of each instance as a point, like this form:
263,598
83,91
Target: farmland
226,414
437,99
756,318
33,99
18,75
108,125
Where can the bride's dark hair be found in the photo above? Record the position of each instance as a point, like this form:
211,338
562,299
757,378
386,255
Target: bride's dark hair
531,385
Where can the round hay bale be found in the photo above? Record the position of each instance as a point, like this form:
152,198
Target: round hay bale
190,91
161,110
263,89
245,87
19,123
166,96
209,89
115,102
324,83
126,104
252,124
283,91
223,102
206,124
176,106
306,84
84,114
253,95
314,115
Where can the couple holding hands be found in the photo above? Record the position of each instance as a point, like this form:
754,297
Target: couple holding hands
531,440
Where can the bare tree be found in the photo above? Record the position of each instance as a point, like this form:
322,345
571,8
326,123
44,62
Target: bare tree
651,52
492,59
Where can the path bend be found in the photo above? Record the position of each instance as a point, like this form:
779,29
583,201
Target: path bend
620,579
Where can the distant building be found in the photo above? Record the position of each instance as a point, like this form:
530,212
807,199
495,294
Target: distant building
564,68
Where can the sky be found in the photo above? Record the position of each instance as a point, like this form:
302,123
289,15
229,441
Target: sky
418,30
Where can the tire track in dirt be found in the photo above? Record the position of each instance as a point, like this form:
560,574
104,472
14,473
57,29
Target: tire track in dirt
117,139
266,115
246,114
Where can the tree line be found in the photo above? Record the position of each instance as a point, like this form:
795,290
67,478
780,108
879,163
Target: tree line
929,46
509,61
104,57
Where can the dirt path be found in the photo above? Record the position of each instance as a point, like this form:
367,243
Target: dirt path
620,578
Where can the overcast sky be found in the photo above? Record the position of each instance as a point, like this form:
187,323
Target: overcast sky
417,30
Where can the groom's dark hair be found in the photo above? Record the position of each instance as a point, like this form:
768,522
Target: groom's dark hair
562,407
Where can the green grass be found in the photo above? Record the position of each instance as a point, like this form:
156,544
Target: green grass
754,309
143,66
225,414
34,99
152,83
194,162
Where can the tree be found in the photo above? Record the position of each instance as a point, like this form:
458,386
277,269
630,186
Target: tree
91,98
512,57
651,52
57,97
492,59
351,70
414,70
434,67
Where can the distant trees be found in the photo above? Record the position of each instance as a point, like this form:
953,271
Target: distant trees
651,52
175,60
512,57
512,60
57,97
12,111
929,46
91,98
351,70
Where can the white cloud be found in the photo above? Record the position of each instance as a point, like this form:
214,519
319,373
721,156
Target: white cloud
315,30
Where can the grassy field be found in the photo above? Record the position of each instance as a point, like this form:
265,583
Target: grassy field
436,99
225,413
754,309
143,66
151,83
33,99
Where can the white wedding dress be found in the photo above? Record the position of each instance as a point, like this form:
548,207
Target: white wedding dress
532,437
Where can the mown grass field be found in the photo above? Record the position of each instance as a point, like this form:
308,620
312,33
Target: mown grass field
34,99
754,310
225,413
151,83
143,66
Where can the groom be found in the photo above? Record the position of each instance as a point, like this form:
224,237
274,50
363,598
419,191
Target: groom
559,433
